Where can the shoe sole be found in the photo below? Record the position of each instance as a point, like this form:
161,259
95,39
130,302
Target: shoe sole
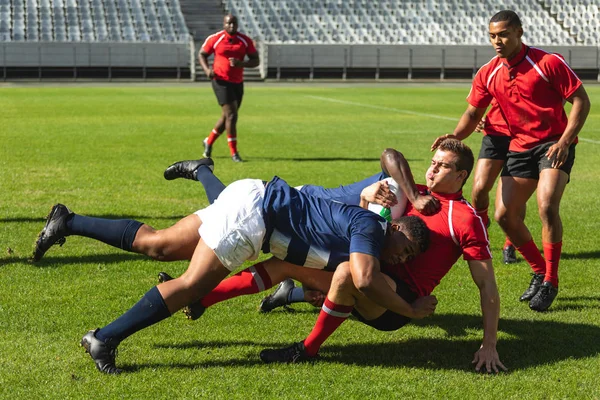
60,241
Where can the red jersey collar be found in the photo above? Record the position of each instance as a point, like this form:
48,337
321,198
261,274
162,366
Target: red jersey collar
447,196
517,58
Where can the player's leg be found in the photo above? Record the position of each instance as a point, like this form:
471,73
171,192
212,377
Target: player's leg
230,110
486,172
220,91
203,274
126,234
511,197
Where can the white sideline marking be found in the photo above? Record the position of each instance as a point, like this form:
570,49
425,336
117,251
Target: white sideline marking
382,108
354,103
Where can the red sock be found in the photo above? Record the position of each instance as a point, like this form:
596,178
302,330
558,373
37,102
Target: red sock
483,214
214,135
232,141
507,243
330,317
251,280
552,254
532,255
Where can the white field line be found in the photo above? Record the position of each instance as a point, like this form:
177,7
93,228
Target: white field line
354,103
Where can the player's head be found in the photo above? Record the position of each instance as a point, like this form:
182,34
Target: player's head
505,33
450,167
407,238
230,24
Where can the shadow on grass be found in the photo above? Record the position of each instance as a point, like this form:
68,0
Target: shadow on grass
584,255
529,344
42,219
304,159
56,262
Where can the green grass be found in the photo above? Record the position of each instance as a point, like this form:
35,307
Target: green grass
102,150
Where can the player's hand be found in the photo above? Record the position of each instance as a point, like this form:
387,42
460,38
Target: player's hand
439,140
210,74
426,204
424,306
487,357
480,125
379,193
314,297
234,62
558,153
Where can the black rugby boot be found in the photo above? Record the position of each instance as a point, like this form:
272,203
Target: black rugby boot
293,354
103,354
279,297
534,286
54,231
544,297
187,169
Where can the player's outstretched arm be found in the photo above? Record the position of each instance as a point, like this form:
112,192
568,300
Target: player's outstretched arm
466,125
487,357
395,165
369,281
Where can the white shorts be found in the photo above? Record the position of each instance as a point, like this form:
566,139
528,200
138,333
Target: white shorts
233,226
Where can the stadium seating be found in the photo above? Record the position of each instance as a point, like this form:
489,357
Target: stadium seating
92,21
451,22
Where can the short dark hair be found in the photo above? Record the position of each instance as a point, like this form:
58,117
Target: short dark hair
463,152
415,228
509,16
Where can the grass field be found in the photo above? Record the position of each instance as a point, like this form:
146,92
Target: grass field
102,151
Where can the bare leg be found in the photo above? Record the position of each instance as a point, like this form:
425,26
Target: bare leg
486,172
174,243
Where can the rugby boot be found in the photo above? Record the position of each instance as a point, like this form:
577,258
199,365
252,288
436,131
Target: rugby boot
544,297
293,354
103,354
534,286
207,148
509,254
187,169
279,297
194,310
236,158
54,231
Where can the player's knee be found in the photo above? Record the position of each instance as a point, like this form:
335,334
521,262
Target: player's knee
156,246
342,278
548,211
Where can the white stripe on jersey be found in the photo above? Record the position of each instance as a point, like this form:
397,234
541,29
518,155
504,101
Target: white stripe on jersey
559,57
335,313
450,226
218,41
208,38
315,258
242,40
487,239
539,71
259,282
487,85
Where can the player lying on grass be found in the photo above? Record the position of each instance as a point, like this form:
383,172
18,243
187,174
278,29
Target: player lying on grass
250,215
455,230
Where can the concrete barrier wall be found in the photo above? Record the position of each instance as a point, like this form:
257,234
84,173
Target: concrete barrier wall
404,56
53,54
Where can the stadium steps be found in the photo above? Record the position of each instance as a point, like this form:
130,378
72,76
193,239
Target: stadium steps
203,18
548,8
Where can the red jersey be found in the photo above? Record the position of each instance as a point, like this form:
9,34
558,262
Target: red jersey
530,89
495,125
225,46
455,230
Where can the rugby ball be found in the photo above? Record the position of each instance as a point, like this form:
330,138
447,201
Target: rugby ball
395,211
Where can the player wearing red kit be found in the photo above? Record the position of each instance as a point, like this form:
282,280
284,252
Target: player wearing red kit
530,87
230,48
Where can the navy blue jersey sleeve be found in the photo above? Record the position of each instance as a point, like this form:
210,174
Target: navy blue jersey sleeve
367,234
346,194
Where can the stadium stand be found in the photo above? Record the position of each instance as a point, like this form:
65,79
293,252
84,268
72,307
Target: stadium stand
104,24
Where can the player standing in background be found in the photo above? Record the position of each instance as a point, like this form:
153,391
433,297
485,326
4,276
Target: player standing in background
230,47
530,87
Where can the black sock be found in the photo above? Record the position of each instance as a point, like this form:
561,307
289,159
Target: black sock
115,232
148,311
212,185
